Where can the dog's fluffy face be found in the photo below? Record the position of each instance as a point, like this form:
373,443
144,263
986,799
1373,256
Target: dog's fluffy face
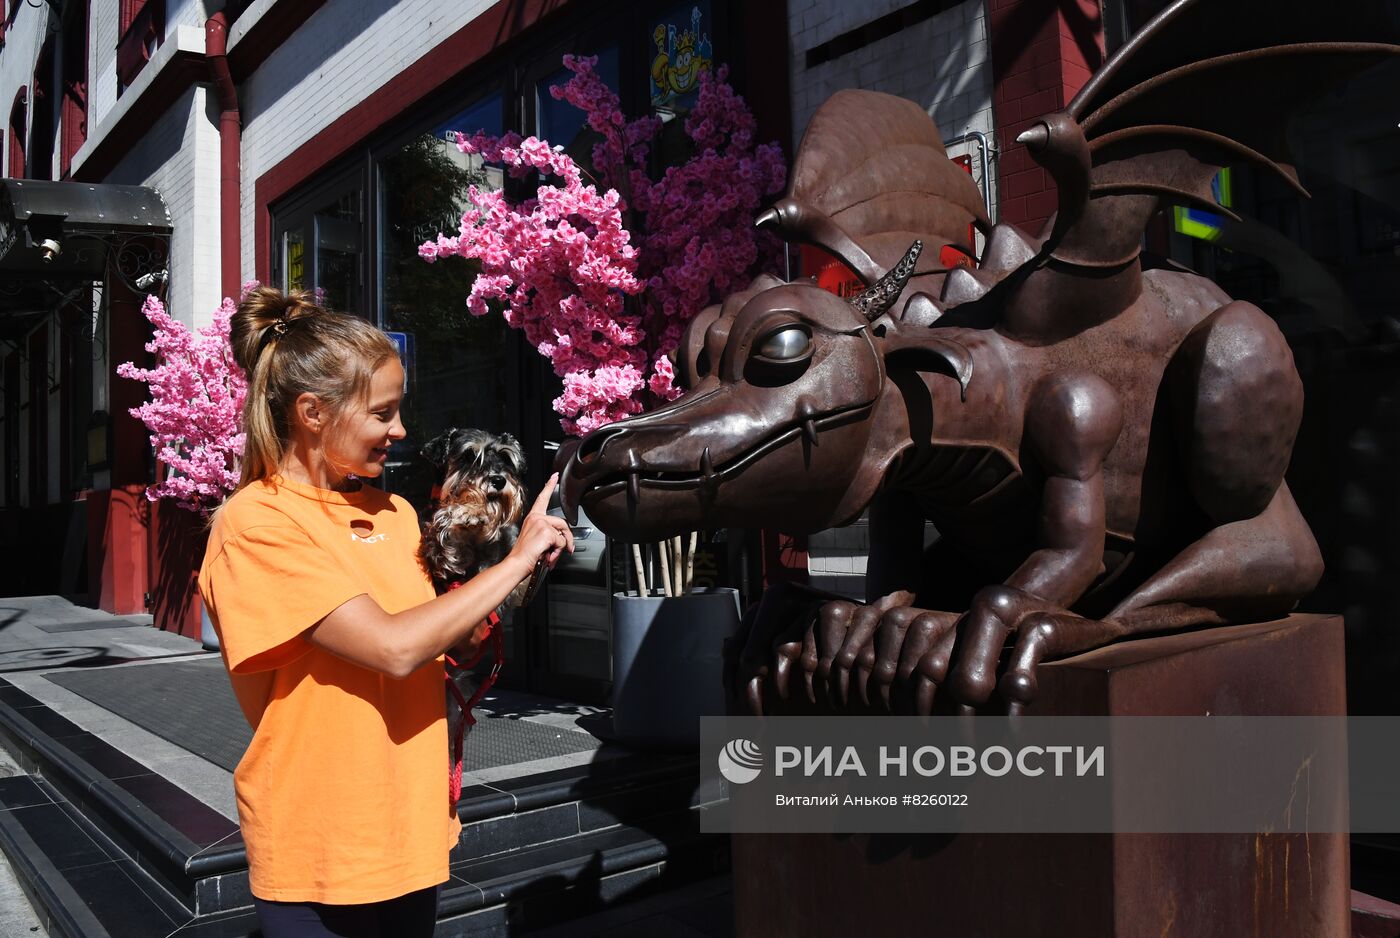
481,505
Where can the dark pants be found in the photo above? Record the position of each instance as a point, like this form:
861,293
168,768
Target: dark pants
409,916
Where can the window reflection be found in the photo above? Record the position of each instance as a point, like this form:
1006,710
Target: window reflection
560,122
338,252
294,260
458,378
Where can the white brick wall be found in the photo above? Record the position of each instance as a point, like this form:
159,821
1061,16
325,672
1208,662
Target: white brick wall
188,12
102,47
21,52
836,559
345,51
102,60
942,63
179,157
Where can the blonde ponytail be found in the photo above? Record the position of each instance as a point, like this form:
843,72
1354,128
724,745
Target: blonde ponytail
287,345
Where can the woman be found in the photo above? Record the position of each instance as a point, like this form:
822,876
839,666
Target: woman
332,634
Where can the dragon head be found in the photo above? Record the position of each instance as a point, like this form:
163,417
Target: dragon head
788,420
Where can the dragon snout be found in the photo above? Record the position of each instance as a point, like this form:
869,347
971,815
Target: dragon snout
591,447
614,453
580,464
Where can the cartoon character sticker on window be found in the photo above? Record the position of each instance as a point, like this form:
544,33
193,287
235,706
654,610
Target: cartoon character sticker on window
681,55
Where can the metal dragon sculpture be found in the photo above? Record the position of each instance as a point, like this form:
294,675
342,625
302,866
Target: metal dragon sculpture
1099,438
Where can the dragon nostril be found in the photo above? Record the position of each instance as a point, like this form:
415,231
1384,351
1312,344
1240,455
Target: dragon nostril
592,445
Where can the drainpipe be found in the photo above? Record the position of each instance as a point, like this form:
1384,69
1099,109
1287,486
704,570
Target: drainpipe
230,250
983,149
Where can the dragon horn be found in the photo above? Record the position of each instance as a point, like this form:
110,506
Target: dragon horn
874,302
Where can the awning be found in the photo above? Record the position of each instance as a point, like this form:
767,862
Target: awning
57,238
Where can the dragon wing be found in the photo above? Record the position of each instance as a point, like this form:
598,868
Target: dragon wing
1205,84
870,177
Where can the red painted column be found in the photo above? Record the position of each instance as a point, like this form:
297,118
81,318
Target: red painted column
118,526
230,137
119,520
1042,54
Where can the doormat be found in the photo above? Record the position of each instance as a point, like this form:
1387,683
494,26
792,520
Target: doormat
192,705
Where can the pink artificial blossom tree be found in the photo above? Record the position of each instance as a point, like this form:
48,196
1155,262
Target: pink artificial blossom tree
563,261
195,412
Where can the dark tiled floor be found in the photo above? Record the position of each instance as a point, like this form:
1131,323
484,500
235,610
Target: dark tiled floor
549,865
106,760
21,792
109,891
16,698
49,723
234,925
192,818
55,835
480,801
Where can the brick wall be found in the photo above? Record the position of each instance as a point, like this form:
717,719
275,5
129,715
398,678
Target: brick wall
941,61
21,51
836,559
179,157
102,61
187,12
1042,54
346,50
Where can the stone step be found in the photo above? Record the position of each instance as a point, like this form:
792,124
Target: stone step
80,884
84,886
584,836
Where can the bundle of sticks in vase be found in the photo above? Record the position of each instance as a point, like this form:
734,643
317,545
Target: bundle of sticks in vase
671,562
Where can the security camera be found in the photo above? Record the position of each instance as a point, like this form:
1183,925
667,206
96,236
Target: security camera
147,281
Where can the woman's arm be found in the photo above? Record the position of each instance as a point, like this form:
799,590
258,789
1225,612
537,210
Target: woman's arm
361,632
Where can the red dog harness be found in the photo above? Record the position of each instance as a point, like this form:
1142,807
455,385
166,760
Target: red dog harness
498,649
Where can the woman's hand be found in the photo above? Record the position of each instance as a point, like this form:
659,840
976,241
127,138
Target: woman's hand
543,535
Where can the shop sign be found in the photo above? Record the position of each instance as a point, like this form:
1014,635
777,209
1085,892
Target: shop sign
408,354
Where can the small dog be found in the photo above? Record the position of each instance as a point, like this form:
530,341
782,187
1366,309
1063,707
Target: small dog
477,516
474,525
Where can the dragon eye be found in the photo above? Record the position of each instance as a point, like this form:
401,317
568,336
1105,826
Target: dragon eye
787,344
781,356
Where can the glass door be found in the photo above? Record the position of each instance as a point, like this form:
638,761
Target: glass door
319,240
458,364
460,369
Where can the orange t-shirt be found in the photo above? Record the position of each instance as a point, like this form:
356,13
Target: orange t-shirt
342,794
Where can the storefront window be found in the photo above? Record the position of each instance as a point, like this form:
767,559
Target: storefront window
560,122
338,252
1327,269
457,362
320,238
294,260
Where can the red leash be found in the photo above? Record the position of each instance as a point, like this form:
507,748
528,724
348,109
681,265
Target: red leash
498,648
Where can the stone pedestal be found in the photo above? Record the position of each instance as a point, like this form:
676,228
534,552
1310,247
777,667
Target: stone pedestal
1088,885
